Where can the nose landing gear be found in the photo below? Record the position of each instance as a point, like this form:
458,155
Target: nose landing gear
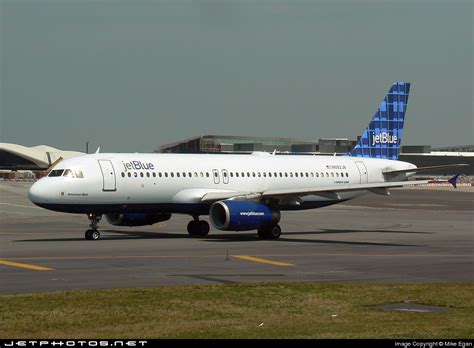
93,233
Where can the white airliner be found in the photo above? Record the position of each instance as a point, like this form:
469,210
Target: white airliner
239,192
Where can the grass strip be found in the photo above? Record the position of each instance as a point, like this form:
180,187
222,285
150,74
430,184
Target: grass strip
262,310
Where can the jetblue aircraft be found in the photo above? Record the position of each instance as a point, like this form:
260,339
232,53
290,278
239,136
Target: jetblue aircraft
239,192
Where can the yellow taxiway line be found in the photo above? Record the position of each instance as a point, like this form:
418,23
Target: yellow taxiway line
24,265
257,259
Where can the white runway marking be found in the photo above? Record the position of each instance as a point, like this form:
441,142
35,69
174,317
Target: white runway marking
20,205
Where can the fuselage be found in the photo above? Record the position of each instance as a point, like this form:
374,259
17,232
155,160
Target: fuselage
175,183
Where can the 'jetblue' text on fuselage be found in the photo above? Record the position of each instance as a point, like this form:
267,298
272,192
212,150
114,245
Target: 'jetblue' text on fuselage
138,165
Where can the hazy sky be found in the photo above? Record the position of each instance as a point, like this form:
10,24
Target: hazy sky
131,75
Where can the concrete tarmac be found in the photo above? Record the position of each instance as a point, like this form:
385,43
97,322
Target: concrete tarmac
414,235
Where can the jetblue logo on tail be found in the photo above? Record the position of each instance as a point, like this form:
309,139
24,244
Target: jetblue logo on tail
383,138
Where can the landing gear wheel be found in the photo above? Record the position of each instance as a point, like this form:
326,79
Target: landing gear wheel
192,227
198,228
203,228
269,232
92,235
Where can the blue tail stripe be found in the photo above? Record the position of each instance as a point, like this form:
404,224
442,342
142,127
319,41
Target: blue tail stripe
383,136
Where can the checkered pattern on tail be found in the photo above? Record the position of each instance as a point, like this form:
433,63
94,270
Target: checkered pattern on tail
383,136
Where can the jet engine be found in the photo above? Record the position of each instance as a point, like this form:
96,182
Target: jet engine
235,215
136,219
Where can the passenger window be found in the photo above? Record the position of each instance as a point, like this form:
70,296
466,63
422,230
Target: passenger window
248,174
264,174
172,174
190,174
296,174
196,174
253,174
141,174
317,174
147,174
337,174
291,174
202,174
177,174
231,174
207,174
123,175
332,174
129,174
135,174
154,174
159,174
286,174
184,174
302,174
166,174
236,174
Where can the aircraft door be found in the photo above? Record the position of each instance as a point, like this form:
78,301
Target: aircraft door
225,176
364,176
215,173
108,175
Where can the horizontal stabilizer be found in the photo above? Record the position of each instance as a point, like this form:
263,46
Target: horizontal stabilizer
421,169
453,181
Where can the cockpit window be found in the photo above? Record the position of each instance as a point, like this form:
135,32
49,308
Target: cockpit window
79,173
56,172
69,173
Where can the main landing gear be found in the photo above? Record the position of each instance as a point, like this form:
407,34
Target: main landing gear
93,233
269,232
198,228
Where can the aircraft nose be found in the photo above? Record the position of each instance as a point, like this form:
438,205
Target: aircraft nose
38,192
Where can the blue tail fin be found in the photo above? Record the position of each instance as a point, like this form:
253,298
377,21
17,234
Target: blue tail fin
383,136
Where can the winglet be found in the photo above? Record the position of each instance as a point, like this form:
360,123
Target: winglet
98,150
453,180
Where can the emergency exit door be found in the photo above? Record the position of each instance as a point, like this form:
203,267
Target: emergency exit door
364,177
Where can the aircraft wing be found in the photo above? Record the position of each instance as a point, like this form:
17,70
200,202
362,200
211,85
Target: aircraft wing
217,196
334,189
421,169
324,191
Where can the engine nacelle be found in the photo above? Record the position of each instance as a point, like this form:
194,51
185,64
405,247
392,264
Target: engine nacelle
234,215
136,219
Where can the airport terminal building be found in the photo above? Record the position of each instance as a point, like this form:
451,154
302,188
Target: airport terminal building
421,156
